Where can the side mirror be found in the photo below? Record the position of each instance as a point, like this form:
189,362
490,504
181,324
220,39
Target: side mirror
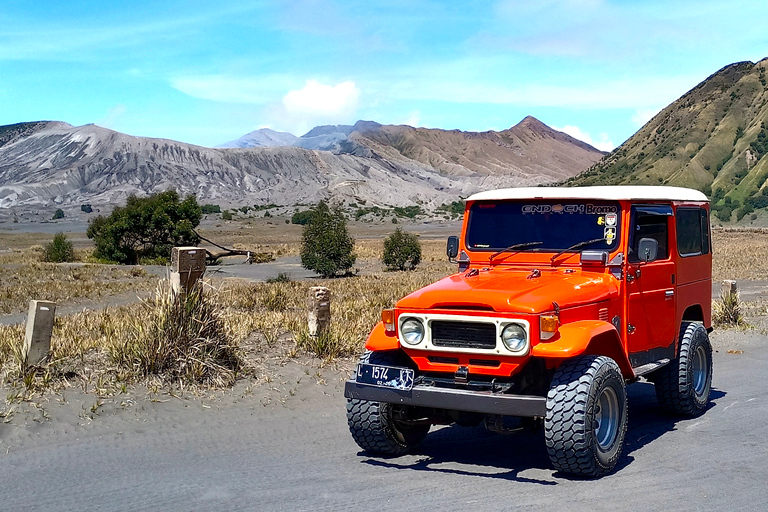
452,250
647,249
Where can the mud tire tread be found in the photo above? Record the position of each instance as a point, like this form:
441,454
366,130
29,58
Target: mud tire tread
571,444
674,382
371,423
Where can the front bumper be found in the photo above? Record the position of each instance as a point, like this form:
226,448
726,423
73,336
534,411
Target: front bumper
422,395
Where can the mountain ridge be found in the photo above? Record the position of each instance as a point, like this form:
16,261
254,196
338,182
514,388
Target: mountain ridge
53,164
713,138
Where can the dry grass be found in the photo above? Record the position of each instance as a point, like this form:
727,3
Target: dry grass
727,311
103,350
20,283
740,254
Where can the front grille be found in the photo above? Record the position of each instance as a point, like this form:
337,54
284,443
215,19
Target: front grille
463,334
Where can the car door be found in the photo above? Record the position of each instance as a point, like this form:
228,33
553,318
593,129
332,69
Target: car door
650,287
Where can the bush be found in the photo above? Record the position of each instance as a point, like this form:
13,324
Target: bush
302,218
146,228
210,208
326,246
59,214
727,311
402,251
226,215
87,208
59,250
180,338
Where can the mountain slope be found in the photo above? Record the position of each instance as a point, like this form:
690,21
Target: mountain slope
57,164
713,138
530,146
263,137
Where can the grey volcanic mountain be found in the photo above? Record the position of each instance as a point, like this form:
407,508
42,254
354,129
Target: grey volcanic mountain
51,164
263,137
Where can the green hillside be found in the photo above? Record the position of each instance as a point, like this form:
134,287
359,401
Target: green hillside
714,139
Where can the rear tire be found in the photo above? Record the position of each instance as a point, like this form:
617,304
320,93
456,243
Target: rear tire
586,416
375,426
683,386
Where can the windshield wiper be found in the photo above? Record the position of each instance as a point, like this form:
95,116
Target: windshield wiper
577,246
515,247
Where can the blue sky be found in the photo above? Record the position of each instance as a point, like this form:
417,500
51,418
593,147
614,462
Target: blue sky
208,72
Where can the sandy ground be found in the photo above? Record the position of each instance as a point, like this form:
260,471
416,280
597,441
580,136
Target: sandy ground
279,441
284,445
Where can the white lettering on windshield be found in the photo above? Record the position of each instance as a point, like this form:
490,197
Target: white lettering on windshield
589,209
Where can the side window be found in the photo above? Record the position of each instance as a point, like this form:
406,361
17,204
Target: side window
650,222
704,231
690,235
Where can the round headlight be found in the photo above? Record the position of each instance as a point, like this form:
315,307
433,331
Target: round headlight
412,331
513,337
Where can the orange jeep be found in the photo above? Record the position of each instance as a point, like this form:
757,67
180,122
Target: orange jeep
563,296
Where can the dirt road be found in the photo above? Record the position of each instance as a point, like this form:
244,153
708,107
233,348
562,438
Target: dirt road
232,452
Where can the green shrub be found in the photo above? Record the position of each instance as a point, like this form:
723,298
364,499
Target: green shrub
59,214
210,208
87,208
301,218
402,251
326,246
146,228
226,215
59,250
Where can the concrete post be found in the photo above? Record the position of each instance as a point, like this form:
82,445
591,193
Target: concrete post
37,340
187,267
319,305
728,288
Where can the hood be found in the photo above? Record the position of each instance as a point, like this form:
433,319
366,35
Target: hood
515,290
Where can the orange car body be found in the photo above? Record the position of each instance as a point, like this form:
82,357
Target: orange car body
607,303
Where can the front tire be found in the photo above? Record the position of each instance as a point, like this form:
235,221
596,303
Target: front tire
586,416
683,386
375,426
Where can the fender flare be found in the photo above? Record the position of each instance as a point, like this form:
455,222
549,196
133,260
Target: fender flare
379,339
586,337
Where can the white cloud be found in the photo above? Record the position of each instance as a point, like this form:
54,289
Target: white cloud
414,119
603,144
229,89
643,115
324,100
113,115
314,104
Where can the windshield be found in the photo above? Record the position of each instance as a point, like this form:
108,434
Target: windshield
494,226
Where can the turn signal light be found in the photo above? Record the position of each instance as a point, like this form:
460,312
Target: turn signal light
548,325
388,318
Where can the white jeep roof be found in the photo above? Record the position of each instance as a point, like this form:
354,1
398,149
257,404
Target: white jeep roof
626,192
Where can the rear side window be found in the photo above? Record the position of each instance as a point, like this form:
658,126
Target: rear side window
692,231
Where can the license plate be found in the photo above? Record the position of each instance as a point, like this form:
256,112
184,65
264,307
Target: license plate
385,376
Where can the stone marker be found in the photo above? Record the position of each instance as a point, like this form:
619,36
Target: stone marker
187,267
728,288
319,305
37,340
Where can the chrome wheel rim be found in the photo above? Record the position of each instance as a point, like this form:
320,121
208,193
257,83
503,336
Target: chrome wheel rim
699,369
607,418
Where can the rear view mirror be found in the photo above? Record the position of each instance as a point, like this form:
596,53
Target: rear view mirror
452,250
647,249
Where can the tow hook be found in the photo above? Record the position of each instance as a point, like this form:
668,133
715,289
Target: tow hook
462,375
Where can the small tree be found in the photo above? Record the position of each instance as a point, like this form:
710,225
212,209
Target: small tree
326,246
59,214
147,227
302,218
402,251
59,250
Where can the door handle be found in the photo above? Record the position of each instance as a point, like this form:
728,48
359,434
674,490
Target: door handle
669,294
